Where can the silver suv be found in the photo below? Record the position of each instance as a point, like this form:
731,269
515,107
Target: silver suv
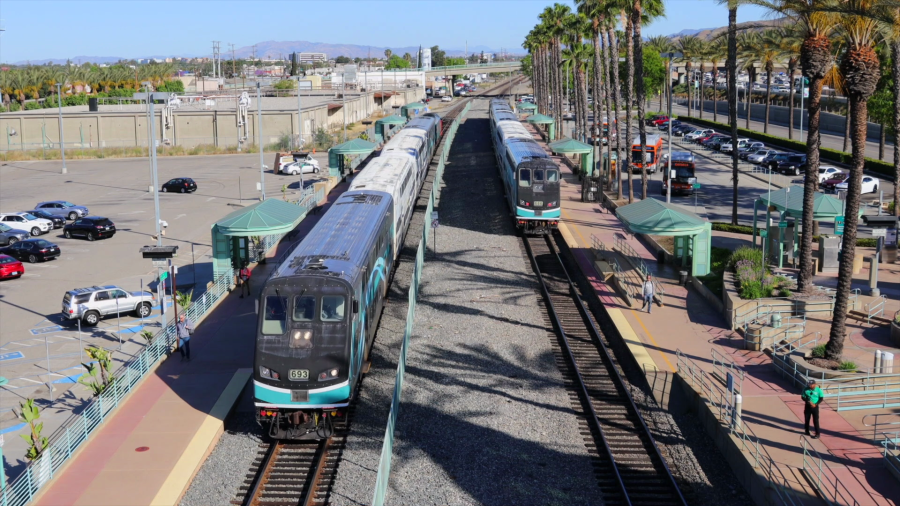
90,304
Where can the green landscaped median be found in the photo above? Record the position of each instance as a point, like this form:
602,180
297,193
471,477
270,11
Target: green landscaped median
832,155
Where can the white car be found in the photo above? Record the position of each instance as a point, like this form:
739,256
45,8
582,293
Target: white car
26,222
696,134
826,173
760,155
869,185
728,146
446,98
308,165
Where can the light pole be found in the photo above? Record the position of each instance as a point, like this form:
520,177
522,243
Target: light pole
262,177
157,221
299,117
670,56
62,142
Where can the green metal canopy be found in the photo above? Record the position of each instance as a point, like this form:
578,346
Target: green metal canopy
539,119
790,201
651,216
268,217
570,146
393,119
415,105
526,106
354,147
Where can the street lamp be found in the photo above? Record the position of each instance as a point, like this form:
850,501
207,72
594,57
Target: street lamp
670,56
262,180
62,142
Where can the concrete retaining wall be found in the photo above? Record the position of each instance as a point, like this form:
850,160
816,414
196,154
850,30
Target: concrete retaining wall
188,128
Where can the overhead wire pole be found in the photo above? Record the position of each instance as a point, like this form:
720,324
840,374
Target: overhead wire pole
62,142
262,180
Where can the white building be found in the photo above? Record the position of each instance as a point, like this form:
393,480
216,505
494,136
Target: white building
313,57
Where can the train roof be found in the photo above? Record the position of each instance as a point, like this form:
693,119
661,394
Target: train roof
405,140
513,130
522,151
505,116
383,173
338,244
422,123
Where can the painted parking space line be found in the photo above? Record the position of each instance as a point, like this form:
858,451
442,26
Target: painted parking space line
11,356
45,330
14,428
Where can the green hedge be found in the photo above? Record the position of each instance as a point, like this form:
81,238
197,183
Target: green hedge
744,229
828,154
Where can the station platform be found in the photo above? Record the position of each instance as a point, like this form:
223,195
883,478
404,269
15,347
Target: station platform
149,450
772,408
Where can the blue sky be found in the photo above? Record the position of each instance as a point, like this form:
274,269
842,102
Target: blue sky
39,29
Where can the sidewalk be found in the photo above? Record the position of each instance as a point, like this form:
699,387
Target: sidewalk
148,451
772,408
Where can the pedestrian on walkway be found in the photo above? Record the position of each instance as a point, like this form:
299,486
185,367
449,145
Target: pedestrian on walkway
648,293
812,395
183,329
244,277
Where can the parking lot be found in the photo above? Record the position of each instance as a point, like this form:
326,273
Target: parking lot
30,321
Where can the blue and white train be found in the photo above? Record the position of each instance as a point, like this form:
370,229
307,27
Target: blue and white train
320,308
530,177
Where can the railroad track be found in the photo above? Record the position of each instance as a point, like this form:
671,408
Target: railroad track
629,467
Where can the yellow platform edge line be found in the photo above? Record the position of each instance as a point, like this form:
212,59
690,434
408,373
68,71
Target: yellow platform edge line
635,346
202,443
567,236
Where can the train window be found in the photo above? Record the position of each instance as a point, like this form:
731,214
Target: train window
538,174
304,308
525,178
332,308
275,315
552,176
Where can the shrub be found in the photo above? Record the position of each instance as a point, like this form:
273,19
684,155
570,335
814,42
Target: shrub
847,365
734,229
818,351
752,290
284,84
753,255
785,292
29,413
31,106
147,335
14,106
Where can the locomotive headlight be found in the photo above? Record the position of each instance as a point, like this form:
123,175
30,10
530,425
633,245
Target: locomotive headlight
265,372
304,335
329,374
301,339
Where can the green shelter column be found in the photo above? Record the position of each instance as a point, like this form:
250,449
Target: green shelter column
540,119
336,155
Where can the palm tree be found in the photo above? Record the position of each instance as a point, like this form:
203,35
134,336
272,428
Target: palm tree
638,14
689,47
702,54
407,57
613,63
628,23
749,42
732,104
661,44
387,54
553,18
768,53
788,41
594,11
894,42
715,51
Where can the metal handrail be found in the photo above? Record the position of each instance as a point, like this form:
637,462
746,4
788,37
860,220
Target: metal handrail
875,308
823,478
724,366
877,423
791,346
638,262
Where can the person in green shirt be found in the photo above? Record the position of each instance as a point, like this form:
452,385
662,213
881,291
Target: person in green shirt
813,396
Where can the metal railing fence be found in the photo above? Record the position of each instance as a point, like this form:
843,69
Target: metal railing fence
823,478
638,262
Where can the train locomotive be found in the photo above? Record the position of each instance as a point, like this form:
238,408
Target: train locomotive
530,177
319,310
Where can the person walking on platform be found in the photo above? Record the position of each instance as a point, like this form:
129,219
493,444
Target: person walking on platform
648,293
183,329
812,395
244,277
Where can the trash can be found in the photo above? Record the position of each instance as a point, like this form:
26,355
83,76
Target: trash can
93,104
661,257
683,278
775,321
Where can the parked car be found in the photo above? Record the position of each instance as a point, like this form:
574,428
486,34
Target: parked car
698,134
569,116
728,146
715,141
761,155
446,98
750,149
92,227
63,209
664,125
830,184
869,184
58,222
772,163
308,165
9,235
33,250
92,303
795,164
682,130
826,173
656,119
10,267
180,184
27,222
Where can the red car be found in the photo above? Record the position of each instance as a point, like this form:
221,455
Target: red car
10,267
659,120
701,140
830,184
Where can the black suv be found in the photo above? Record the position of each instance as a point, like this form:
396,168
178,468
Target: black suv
90,227
795,164
771,163
180,184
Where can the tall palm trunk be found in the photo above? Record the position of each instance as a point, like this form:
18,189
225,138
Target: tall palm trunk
597,93
613,63
582,72
815,57
881,136
715,92
792,70
629,97
861,71
639,72
702,73
847,128
769,69
732,102
610,118
690,84
751,72
895,65
558,107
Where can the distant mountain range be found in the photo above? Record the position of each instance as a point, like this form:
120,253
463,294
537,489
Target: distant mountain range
711,33
276,49
685,33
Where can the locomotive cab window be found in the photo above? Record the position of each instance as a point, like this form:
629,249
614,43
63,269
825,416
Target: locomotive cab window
305,308
538,175
525,178
333,308
552,176
275,315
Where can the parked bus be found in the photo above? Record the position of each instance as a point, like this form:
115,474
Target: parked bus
683,166
652,154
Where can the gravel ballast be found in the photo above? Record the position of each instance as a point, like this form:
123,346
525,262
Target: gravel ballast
485,417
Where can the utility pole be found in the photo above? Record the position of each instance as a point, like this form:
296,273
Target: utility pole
232,60
262,181
62,142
